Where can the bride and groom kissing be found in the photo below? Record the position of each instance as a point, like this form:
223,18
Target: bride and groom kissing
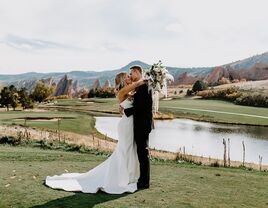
128,168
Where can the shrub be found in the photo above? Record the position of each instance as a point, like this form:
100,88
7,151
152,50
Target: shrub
223,81
199,85
102,93
189,92
229,94
253,99
10,140
91,93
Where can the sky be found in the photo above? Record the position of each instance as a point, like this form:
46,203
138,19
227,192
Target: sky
66,35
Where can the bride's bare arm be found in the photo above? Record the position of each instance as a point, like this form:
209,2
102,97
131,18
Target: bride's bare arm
122,94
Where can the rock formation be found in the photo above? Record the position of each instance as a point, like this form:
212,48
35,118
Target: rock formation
186,79
257,72
96,85
107,84
66,86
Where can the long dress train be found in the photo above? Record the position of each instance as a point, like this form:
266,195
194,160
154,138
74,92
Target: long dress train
116,175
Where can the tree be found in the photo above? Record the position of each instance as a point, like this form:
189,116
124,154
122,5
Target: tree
24,99
91,93
5,97
14,97
41,92
9,97
199,85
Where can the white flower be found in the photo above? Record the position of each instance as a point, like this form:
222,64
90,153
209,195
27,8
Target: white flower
157,77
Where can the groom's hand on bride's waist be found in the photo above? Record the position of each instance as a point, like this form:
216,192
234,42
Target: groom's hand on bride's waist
129,111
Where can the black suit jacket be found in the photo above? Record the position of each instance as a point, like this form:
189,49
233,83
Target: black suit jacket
141,111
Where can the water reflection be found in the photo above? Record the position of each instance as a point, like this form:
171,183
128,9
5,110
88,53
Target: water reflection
200,138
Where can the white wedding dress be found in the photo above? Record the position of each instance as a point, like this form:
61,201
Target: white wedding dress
116,175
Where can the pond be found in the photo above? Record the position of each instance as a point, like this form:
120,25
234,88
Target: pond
200,138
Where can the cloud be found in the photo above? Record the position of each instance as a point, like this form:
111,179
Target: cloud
105,34
29,44
175,27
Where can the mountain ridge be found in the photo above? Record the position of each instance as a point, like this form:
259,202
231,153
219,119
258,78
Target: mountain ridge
86,78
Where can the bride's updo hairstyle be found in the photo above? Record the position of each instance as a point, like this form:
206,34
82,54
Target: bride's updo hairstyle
120,81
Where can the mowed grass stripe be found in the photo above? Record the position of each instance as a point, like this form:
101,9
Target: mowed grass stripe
213,111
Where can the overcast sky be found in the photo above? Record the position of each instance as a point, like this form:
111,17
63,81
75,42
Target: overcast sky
65,35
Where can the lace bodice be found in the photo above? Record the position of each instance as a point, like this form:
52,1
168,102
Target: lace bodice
126,104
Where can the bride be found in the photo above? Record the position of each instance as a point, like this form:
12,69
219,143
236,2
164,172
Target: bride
120,172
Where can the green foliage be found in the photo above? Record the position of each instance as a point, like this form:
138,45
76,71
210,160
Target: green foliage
5,97
10,140
91,93
24,99
41,92
102,93
9,97
189,92
199,85
14,97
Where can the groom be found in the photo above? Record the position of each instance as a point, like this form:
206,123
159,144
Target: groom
143,122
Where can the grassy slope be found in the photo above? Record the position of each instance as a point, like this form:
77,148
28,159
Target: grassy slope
172,184
168,106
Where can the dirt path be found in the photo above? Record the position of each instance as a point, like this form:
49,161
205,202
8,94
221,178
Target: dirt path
106,145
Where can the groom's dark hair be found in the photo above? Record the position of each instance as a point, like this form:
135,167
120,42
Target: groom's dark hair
136,67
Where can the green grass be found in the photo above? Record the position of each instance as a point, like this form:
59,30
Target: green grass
78,114
91,104
74,122
194,111
215,105
172,184
172,106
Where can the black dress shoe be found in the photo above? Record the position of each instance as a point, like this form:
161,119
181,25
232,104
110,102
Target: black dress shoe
143,186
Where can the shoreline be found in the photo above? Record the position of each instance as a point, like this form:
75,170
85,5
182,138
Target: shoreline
113,113
105,144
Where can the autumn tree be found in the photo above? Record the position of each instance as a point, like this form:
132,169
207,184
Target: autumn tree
41,91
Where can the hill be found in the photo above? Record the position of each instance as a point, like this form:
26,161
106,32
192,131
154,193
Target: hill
87,78
253,68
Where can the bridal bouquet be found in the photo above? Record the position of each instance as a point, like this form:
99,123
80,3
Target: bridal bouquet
157,78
